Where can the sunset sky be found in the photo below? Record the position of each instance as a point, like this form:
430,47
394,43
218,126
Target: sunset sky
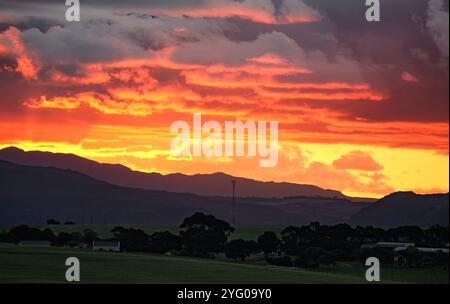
362,107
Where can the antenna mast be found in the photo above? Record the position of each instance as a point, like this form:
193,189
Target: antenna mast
233,182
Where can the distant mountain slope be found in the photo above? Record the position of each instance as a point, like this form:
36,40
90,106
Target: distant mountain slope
217,184
405,208
31,195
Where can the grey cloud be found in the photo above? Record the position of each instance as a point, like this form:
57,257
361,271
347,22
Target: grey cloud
112,39
438,25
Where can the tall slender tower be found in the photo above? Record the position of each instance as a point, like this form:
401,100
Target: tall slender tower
233,182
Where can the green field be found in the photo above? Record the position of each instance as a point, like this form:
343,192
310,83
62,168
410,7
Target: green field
47,265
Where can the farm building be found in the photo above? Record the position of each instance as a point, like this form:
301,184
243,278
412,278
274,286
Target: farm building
426,250
106,246
399,247
388,245
394,245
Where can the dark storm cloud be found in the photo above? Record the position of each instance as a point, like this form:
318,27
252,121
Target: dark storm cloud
387,49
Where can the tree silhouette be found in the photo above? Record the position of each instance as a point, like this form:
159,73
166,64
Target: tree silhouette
268,243
239,249
203,234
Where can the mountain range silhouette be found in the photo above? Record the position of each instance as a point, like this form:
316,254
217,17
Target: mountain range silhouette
35,186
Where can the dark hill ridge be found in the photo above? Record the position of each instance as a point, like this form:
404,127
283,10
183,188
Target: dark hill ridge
405,209
31,195
218,184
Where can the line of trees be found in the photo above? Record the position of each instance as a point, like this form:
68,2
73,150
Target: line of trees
53,222
62,239
307,246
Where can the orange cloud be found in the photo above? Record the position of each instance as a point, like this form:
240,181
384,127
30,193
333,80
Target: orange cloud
91,77
259,11
97,101
11,43
408,77
271,59
357,160
365,95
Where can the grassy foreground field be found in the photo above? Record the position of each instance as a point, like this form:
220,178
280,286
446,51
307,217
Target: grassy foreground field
47,265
